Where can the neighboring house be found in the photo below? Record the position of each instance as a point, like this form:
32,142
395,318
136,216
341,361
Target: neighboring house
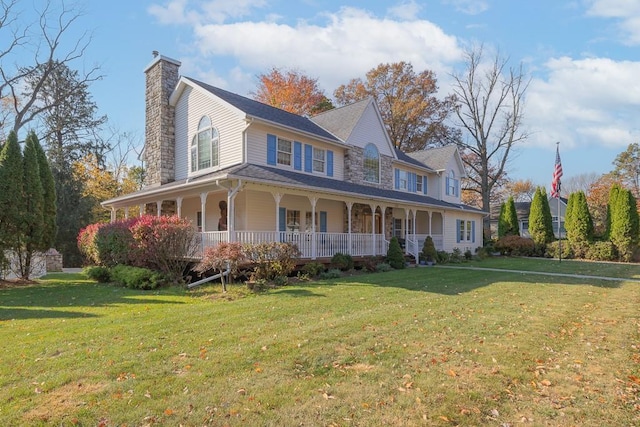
247,172
522,211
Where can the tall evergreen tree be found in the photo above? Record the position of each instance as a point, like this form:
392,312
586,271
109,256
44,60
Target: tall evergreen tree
502,223
568,212
578,223
540,225
624,224
49,203
10,192
32,206
511,217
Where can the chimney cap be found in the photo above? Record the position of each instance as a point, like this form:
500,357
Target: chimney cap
157,58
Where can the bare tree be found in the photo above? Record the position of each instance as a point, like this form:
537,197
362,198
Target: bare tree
490,112
582,182
47,41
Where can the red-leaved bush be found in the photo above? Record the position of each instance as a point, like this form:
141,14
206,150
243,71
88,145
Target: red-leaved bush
220,258
164,243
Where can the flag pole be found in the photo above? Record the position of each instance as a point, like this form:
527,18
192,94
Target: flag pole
559,230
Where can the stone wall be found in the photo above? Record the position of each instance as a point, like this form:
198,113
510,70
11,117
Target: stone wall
354,169
53,261
161,79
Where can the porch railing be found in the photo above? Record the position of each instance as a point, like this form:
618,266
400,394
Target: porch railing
320,245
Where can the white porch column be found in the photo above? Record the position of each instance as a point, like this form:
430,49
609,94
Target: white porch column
415,214
142,208
113,214
203,210
277,197
406,228
349,207
159,208
179,206
430,213
373,229
126,212
231,211
314,202
384,223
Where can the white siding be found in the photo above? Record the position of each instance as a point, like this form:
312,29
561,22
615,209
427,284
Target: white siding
260,211
450,231
192,105
370,130
257,149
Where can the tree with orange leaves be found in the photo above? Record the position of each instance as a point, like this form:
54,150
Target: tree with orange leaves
292,91
597,200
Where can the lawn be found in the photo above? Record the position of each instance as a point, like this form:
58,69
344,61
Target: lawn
423,346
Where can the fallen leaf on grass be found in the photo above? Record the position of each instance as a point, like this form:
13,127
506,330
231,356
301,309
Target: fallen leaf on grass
452,373
168,412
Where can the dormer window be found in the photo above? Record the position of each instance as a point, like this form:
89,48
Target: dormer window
205,146
371,164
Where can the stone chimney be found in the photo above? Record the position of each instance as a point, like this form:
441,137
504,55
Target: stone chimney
159,145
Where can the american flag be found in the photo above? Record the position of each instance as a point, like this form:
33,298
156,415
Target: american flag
557,173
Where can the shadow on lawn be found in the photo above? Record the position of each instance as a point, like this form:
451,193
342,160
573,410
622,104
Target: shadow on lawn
36,300
458,281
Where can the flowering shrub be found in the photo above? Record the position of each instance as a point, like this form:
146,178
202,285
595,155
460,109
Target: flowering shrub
86,242
221,257
271,260
114,243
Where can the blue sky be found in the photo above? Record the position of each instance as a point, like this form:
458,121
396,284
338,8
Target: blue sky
583,57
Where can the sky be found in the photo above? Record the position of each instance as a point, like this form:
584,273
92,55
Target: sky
583,58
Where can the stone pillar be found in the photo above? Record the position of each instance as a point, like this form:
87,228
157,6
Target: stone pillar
159,150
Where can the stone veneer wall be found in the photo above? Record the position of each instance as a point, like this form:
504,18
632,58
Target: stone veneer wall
161,79
169,208
354,169
357,217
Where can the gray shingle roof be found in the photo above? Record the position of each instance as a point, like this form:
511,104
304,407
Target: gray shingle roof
341,121
435,158
296,179
266,112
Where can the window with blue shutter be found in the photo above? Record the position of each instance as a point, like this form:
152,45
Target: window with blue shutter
473,231
424,184
308,158
323,222
412,182
271,149
397,179
297,155
282,219
458,230
329,163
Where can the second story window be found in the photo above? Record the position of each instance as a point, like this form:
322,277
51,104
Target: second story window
284,152
403,182
371,164
318,160
205,146
452,184
419,183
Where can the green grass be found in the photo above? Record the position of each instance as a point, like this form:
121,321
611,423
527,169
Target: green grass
423,346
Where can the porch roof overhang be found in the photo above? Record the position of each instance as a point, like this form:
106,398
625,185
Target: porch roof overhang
282,178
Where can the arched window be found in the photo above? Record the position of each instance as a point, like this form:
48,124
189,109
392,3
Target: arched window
371,164
205,146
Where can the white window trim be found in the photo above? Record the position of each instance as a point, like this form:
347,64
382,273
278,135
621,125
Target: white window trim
290,152
322,162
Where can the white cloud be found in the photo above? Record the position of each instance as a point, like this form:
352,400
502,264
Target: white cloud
351,42
470,7
407,10
626,12
585,103
217,11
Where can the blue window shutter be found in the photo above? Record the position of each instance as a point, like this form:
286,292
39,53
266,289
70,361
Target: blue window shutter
323,222
308,158
283,219
271,149
473,231
297,155
397,184
424,184
458,225
329,163
414,182
446,185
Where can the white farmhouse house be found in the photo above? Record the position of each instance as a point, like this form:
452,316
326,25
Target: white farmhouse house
244,171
